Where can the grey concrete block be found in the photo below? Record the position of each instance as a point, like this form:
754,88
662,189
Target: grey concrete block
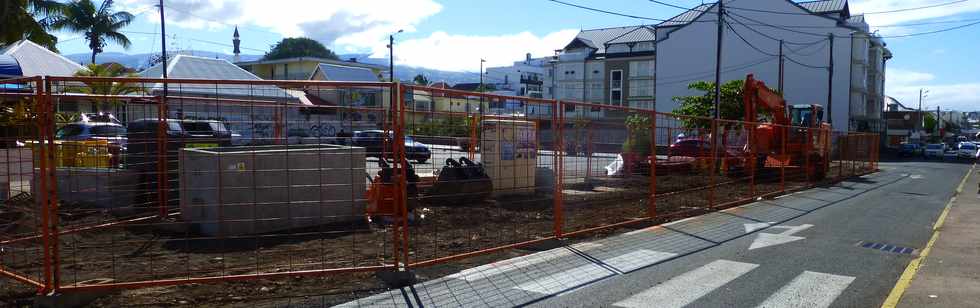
261,189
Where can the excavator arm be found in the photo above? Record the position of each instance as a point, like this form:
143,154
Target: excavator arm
756,94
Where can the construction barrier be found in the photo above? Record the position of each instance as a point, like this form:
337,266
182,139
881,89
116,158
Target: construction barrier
118,183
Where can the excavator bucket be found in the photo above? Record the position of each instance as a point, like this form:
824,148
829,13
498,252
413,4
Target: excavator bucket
777,161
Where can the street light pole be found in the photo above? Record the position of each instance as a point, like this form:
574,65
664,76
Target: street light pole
391,56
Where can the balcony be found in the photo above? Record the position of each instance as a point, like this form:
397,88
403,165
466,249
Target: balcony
532,80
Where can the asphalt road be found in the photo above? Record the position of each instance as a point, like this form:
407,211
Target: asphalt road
839,246
828,266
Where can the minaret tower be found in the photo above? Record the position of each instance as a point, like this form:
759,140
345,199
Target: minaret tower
237,43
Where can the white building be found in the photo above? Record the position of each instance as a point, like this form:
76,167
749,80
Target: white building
523,78
611,66
686,53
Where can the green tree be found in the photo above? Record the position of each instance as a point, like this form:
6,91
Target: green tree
638,140
106,88
702,105
421,80
100,25
29,19
929,122
293,47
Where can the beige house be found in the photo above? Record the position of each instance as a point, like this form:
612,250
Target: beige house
302,68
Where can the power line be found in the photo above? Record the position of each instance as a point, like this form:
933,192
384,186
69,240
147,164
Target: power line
933,32
747,42
759,23
804,64
916,8
607,12
769,54
770,37
866,13
699,75
196,40
674,6
171,7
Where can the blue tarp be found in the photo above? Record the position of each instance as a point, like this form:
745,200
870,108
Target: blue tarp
9,67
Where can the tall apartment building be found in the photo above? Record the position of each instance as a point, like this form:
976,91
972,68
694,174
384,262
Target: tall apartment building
523,78
853,95
611,66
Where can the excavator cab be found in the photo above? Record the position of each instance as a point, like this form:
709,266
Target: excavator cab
806,115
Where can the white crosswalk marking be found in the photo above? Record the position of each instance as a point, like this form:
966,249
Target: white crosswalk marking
688,287
809,289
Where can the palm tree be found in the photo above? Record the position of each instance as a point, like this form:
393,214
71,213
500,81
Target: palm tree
107,89
29,19
99,24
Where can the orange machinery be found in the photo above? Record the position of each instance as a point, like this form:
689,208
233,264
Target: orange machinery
800,127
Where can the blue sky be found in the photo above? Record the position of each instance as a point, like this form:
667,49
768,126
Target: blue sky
455,34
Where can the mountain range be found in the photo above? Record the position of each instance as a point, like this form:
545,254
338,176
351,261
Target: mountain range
402,72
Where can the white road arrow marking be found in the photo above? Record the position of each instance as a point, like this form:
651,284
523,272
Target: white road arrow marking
764,240
749,228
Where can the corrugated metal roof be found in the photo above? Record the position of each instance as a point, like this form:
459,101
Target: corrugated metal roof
640,34
36,60
686,17
597,38
345,73
190,67
819,7
824,6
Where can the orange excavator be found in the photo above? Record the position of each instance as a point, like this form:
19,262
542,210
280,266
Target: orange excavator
800,127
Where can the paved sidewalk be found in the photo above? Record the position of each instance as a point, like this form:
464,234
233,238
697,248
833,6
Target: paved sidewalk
950,273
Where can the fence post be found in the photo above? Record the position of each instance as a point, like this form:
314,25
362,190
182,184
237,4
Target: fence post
806,154
750,140
398,146
714,163
782,164
652,203
162,177
558,165
44,147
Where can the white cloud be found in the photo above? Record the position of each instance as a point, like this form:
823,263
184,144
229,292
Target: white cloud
904,85
327,21
446,51
949,11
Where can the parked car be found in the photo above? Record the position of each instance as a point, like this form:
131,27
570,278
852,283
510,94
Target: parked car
696,148
114,133
967,150
935,150
100,117
910,149
373,143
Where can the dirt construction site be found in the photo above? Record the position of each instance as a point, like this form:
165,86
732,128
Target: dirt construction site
233,193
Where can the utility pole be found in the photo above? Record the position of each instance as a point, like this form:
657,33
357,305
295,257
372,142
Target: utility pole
163,47
391,55
721,21
782,65
830,82
482,89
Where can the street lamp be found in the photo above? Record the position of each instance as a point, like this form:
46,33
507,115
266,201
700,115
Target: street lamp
481,88
391,55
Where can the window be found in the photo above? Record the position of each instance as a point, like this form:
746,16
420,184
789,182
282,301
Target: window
641,88
70,130
642,68
616,87
108,131
595,92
